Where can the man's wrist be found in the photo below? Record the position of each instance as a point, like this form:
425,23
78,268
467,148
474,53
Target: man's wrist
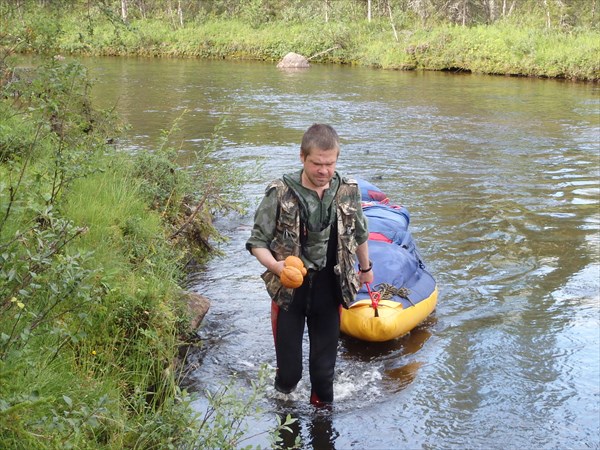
365,269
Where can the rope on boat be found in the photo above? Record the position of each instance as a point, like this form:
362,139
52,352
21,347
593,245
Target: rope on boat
388,291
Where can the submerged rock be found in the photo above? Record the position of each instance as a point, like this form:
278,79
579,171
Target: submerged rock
197,306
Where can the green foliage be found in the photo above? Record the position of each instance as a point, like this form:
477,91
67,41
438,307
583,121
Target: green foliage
187,198
41,34
519,39
224,424
17,138
254,12
92,247
43,284
55,294
173,426
37,413
507,49
43,287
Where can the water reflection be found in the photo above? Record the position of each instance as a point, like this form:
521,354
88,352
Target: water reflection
314,431
403,375
397,370
406,345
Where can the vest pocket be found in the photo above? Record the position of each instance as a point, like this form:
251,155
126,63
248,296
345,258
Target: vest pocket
280,294
285,244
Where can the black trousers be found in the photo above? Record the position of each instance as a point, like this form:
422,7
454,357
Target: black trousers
316,304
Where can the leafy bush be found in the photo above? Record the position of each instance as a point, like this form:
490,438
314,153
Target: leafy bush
92,247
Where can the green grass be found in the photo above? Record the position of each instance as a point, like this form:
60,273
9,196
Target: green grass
116,216
72,374
91,309
522,46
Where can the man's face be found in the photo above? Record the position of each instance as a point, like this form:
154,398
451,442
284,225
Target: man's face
319,167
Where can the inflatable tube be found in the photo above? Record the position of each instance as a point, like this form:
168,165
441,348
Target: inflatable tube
408,291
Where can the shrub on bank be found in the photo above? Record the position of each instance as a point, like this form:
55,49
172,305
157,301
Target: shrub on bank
88,283
93,245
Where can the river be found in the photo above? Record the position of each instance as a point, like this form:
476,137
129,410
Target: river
502,179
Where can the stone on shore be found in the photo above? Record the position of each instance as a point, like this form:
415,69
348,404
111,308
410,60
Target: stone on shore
198,306
293,61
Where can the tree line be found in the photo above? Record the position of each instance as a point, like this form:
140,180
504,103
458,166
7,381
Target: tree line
564,14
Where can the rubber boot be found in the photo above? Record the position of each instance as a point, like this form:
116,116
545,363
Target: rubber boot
317,402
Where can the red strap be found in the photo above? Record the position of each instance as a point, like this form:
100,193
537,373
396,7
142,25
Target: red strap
378,196
375,296
373,236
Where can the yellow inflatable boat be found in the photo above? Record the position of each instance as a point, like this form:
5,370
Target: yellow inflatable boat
403,292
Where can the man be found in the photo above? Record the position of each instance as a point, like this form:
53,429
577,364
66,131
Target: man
314,214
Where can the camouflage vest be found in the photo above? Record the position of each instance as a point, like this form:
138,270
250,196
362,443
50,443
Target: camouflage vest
287,240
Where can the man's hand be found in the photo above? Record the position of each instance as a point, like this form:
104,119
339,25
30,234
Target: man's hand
365,277
277,267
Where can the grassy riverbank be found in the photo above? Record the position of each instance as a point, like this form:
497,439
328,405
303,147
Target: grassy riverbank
522,44
93,244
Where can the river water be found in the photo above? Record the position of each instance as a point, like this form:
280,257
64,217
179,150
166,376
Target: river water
501,176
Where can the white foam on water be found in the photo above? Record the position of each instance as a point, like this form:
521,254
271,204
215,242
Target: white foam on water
361,385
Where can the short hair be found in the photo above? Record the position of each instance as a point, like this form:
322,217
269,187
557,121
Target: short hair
320,136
